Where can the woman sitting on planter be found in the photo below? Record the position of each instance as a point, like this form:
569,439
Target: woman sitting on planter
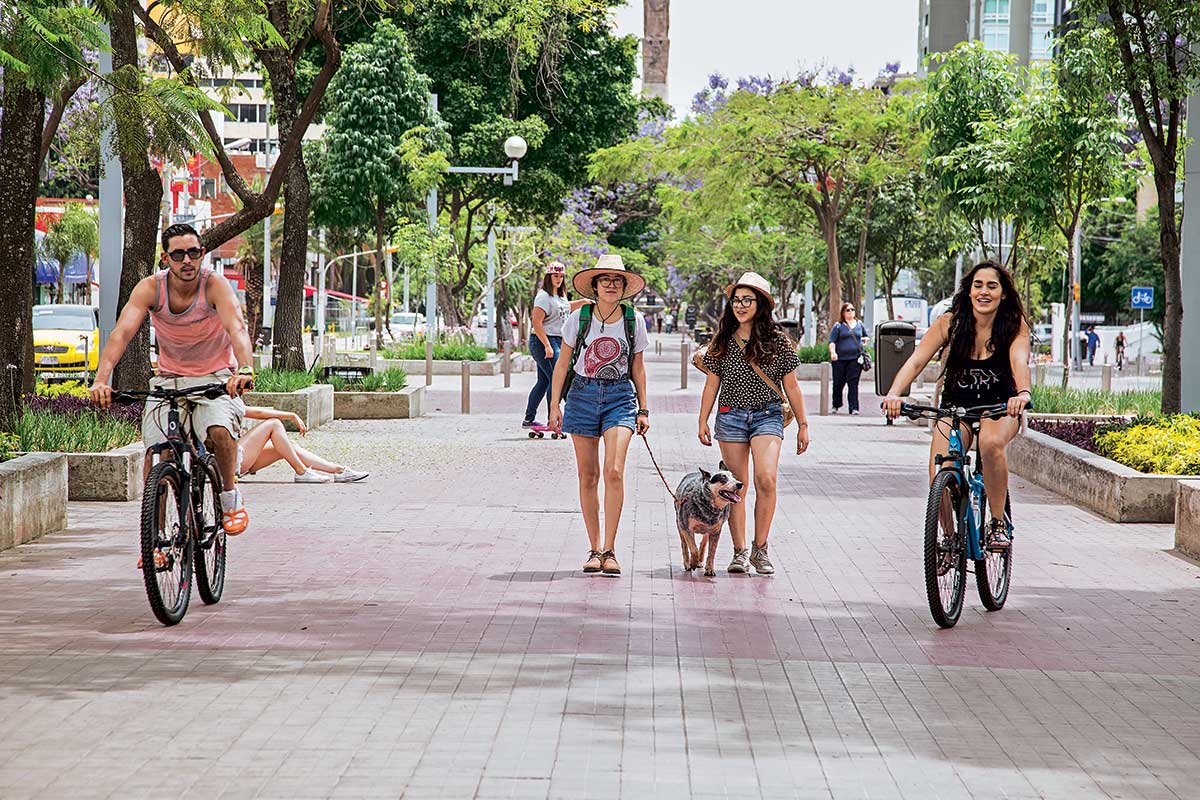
268,442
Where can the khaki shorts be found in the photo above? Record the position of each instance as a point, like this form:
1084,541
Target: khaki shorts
198,412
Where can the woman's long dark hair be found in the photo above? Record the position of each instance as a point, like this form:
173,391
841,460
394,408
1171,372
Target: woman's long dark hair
548,285
960,344
763,334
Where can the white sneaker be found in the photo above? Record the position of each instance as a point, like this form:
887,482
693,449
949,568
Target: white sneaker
312,476
348,475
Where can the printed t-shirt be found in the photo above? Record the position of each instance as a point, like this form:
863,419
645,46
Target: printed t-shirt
556,308
605,352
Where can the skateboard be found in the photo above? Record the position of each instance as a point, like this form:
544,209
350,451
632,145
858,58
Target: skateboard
539,431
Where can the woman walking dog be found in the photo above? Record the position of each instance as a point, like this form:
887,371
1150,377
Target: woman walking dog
550,310
747,360
606,396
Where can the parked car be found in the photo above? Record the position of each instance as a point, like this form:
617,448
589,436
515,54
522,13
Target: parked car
407,324
66,340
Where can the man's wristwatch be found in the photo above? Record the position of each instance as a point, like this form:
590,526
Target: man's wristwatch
643,412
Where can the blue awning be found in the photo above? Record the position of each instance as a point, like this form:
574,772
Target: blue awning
46,269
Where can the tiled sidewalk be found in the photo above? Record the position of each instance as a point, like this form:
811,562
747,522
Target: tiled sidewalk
427,634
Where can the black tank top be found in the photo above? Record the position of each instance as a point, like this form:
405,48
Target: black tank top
980,382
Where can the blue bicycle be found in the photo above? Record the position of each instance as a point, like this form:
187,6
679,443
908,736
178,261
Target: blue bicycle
955,516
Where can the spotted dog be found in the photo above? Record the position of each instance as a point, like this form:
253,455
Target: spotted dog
702,504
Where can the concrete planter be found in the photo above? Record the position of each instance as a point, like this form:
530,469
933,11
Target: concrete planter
404,404
489,366
33,497
1098,484
313,404
1187,518
115,475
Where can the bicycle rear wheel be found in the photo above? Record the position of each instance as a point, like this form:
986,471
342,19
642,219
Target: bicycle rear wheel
168,577
210,534
945,550
994,570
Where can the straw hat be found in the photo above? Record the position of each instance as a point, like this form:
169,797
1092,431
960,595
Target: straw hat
610,264
752,280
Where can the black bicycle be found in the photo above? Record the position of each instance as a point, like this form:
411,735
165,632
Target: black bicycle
181,512
955,515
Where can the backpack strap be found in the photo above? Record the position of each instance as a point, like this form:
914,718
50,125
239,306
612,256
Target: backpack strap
630,323
585,322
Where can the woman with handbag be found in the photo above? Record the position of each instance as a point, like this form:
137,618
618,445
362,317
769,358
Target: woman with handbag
847,354
746,362
606,396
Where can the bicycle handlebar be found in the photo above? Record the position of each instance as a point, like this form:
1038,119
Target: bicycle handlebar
209,390
991,411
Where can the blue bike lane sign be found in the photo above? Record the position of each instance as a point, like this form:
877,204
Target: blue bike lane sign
1141,298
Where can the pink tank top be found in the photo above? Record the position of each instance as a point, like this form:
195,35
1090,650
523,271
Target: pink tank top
193,343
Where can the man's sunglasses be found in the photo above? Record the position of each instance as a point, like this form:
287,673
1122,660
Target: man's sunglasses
194,253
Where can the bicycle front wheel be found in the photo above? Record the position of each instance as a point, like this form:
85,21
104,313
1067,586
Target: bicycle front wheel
994,570
166,544
210,534
945,550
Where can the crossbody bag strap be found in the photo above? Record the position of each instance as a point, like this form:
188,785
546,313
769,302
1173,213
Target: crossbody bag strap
758,370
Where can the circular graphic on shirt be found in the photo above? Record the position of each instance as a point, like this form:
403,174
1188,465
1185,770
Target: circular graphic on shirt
603,359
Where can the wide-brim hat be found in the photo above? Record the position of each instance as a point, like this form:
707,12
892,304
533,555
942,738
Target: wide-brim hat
610,264
752,280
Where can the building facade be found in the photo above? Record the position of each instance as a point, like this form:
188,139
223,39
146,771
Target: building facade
1024,28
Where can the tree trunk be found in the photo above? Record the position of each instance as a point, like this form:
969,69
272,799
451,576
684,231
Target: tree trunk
377,287
1069,342
1168,237
834,265
860,284
252,278
143,192
20,143
287,331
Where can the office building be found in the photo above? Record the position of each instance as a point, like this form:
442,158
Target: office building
1024,28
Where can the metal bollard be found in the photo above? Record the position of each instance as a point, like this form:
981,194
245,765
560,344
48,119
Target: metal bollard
429,362
826,380
1106,378
658,347
506,362
374,354
683,365
1039,375
466,387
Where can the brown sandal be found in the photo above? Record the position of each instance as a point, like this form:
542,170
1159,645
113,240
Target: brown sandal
593,561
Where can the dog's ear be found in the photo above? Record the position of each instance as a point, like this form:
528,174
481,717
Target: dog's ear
705,474
722,466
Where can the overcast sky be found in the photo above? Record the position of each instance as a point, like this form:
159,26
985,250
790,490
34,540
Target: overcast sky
776,37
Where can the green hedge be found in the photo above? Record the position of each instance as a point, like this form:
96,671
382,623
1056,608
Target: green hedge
392,379
442,351
283,380
87,432
814,354
1169,445
1056,400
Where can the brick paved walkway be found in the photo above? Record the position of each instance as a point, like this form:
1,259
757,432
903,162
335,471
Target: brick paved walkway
426,634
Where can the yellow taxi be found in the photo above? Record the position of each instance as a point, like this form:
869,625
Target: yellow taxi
66,340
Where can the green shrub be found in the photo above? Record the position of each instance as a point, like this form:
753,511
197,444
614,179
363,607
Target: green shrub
814,354
1168,445
9,445
87,432
371,383
336,381
68,388
394,379
283,380
1056,400
451,350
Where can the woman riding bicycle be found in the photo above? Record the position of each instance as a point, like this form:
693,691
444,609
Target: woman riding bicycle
984,342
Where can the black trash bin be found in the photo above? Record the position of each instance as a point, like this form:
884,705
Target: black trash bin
895,341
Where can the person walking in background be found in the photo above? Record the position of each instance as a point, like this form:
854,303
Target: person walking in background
550,310
747,360
658,321
1119,344
845,351
1093,341
606,397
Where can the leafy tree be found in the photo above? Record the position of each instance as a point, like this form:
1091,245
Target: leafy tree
1121,252
76,231
1150,51
381,148
41,53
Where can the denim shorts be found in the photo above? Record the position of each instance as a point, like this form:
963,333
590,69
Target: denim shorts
743,424
595,405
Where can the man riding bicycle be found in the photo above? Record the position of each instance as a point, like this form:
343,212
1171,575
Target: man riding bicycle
984,339
201,339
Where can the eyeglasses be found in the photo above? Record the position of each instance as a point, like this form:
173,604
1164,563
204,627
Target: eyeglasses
611,280
743,302
194,253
